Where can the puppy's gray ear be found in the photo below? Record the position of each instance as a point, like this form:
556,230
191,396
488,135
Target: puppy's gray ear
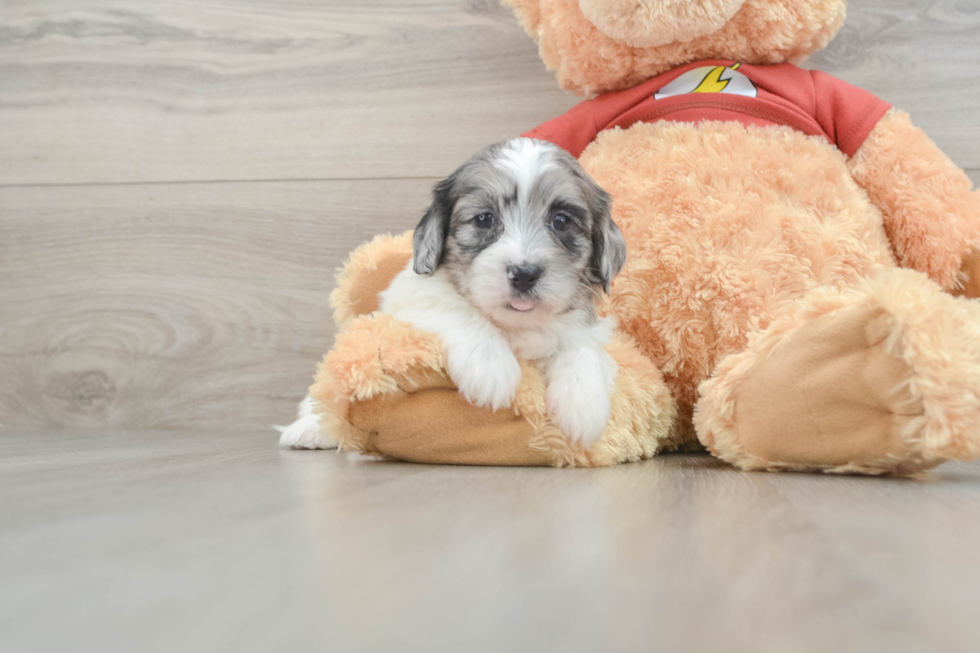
429,240
608,244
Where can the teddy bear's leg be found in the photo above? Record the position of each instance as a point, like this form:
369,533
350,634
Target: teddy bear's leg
880,379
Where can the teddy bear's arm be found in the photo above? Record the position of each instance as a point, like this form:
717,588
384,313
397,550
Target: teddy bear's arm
383,390
931,213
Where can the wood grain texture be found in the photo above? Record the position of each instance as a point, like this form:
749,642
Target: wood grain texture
171,305
152,90
920,55
131,301
209,541
155,90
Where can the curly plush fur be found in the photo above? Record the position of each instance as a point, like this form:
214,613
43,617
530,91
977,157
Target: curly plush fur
589,61
921,181
764,281
719,247
928,412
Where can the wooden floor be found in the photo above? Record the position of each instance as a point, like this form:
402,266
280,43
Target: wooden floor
178,182
217,541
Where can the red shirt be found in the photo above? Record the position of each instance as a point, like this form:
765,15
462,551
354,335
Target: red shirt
808,100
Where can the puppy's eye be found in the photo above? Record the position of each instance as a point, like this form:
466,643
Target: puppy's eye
484,220
561,222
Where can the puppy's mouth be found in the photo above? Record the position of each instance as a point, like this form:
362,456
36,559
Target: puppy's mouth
522,305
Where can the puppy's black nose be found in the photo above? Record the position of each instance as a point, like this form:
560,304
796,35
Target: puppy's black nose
523,277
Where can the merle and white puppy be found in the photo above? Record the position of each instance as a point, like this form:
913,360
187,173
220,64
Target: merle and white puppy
507,263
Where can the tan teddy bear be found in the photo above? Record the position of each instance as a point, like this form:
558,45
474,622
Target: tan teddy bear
796,252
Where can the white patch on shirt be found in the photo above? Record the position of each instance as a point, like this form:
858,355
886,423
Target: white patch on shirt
710,79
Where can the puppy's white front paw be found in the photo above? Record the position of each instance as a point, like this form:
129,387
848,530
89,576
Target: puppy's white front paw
486,373
305,433
577,397
580,414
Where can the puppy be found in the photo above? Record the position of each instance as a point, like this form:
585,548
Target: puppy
507,263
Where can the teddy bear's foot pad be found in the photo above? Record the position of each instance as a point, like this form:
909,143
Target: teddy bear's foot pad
882,379
832,395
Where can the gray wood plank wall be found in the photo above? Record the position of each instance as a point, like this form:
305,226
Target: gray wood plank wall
179,180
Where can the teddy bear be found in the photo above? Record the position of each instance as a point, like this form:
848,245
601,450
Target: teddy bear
800,289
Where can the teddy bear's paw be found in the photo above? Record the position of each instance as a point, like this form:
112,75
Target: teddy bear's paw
884,378
577,396
485,372
306,432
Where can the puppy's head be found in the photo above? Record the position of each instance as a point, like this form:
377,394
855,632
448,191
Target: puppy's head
522,231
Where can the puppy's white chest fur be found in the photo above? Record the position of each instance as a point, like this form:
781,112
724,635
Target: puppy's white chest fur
540,343
533,344
481,357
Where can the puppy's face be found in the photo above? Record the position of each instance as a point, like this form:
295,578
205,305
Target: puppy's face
523,232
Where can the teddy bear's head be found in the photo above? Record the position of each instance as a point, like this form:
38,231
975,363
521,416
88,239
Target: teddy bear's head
607,45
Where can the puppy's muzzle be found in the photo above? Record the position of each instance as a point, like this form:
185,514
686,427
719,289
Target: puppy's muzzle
523,277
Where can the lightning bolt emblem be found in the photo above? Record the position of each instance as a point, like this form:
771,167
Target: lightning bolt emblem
712,82
709,79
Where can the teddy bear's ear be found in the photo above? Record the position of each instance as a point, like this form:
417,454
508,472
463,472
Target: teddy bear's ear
528,13
649,23
429,240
